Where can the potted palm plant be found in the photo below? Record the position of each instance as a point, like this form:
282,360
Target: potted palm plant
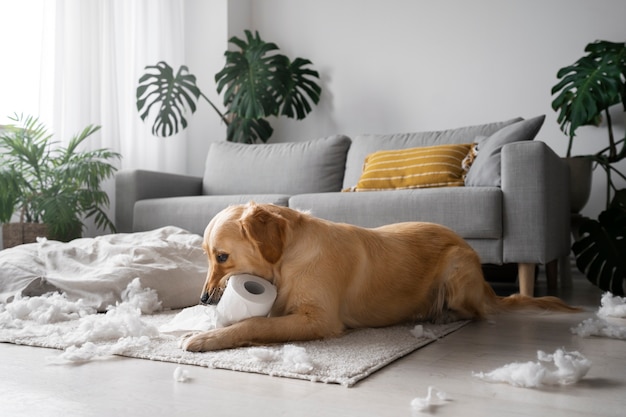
585,94
257,83
51,189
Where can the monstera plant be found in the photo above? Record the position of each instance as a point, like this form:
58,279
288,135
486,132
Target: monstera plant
585,94
600,252
257,83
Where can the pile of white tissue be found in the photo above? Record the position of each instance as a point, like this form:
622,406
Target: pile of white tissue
559,368
121,326
610,321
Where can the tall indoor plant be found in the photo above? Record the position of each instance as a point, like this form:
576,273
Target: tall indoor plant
47,184
257,82
586,93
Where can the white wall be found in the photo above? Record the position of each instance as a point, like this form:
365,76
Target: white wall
206,37
411,65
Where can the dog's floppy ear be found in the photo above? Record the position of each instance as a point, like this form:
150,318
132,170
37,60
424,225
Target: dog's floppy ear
267,230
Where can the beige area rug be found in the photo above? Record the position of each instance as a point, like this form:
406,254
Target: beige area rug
344,360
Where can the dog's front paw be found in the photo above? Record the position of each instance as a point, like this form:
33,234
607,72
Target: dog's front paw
184,338
200,341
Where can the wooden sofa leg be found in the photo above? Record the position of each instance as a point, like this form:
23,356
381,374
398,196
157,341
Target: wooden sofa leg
526,277
552,271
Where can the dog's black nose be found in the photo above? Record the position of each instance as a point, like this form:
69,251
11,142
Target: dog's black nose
205,299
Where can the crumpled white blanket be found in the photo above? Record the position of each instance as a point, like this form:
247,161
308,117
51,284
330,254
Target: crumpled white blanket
169,260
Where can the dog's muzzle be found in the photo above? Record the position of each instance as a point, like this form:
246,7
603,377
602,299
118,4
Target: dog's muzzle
212,297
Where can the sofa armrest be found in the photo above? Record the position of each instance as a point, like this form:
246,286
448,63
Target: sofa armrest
536,214
134,185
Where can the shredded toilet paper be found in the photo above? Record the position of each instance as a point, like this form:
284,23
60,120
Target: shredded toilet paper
612,306
419,331
181,375
600,328
568,368
89,351
145,299
196,318
45,309
610,321
435,398
120,327
294,358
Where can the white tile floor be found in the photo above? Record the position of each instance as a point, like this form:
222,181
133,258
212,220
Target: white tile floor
133,387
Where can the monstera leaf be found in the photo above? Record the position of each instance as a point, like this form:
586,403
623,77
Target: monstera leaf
258,82
300,85
591,85
251,80
601,251
172,93
248,130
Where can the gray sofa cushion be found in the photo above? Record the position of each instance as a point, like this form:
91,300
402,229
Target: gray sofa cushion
281,168
471,212
364,145
485,170
192,213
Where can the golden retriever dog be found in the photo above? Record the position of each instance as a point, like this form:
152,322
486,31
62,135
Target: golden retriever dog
333,276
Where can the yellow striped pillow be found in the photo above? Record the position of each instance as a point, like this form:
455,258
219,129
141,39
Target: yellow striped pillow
431,166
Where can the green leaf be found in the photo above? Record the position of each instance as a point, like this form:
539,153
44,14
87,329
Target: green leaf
60,186
248,79
601,248
299,89
591,85
173,94
9,193
248,130
256,82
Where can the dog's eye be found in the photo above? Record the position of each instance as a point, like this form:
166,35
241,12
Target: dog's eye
221,258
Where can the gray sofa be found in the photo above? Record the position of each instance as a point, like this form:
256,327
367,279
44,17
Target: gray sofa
514,207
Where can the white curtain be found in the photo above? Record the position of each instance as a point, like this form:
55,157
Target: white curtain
94,53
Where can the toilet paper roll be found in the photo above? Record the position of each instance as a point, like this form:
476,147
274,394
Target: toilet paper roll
245,296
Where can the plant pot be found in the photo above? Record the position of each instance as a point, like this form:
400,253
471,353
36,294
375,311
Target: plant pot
14,234
580,182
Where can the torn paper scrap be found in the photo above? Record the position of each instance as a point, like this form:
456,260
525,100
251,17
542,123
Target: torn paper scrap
294,358
265,354
44,309
89,351
601,328
419,331
196,318
145,299
565,368
181,375
612,306
112,333
433,399
611,321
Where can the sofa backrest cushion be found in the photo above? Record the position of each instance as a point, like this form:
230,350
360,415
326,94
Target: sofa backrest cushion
363,145
485,170
290,168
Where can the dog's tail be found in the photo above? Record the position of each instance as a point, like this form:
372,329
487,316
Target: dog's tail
524,302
